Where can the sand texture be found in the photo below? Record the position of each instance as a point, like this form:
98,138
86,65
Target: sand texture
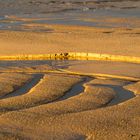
67,106
10,82
65,39
69,70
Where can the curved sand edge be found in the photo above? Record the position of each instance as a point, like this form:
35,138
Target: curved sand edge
99,75
27,87
73,56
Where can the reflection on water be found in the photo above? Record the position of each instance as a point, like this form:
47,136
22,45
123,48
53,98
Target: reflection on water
30,63
82,66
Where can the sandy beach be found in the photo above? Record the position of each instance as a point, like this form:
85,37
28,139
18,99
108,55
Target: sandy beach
87,107
63,39
69,70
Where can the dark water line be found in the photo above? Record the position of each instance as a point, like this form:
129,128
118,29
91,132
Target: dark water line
25,88
122,95
75,90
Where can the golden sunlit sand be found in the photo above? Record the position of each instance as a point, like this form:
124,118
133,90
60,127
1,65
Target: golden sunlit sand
65,106
64,38
66,99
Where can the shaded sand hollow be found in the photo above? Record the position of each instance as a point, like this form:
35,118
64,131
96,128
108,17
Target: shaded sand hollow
38,115
65,106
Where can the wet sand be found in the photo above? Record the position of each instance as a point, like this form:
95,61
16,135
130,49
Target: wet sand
103,67
25,88
70,26
48,6
69,99
61,100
